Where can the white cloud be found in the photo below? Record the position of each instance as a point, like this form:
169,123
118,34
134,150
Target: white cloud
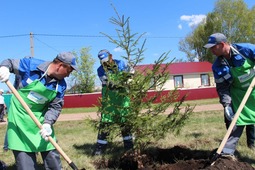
118,49
155,54
180,26
193,20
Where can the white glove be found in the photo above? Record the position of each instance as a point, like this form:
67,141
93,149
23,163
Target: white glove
46,131
228,111
4,74
130,68
132,71
129,81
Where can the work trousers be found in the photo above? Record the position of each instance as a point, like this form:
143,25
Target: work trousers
2,111
103,134
250,133
235,135
27,160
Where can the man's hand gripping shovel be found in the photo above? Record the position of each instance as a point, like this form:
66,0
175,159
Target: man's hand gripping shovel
238,112
17,95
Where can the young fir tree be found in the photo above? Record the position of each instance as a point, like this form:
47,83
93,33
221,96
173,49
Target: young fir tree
149,122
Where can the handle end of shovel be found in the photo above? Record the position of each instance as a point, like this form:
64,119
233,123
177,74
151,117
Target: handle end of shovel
73,166
214,158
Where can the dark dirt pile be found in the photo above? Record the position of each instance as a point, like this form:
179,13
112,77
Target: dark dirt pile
176,158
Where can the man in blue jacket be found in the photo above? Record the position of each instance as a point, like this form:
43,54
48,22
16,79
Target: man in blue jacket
115,102
233,72
42,86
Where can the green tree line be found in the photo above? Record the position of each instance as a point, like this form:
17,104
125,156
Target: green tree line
230,17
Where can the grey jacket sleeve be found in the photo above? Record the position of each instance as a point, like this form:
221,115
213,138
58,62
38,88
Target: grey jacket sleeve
12,64
53,111
223,90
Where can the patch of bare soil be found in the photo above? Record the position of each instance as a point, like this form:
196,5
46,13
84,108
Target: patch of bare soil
176,158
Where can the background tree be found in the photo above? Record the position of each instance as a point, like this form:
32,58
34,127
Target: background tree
146,119
230,17
83,80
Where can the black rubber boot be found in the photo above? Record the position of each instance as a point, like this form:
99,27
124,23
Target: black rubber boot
128,144
100,149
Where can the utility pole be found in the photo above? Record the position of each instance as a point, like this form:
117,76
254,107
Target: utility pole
31,44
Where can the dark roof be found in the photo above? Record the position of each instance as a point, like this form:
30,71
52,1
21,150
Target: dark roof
183,67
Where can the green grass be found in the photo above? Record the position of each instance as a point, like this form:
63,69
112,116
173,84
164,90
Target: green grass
95,109
203,131
203,101
79,110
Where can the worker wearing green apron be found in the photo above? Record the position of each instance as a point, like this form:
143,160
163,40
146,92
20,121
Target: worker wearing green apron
37,96
238,90
115,101
233,72
42,87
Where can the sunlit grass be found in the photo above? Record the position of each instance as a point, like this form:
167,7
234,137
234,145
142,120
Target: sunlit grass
202,101
79,110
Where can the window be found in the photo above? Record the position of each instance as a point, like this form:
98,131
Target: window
205,80
178,81
152,84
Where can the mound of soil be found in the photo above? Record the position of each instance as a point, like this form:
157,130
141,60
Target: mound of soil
176,158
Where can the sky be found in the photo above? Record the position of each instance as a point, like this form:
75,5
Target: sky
64,25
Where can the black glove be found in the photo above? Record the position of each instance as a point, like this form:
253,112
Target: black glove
111,86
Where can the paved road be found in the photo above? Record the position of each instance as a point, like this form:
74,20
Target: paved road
93,115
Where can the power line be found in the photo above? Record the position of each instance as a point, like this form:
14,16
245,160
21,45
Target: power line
80,36
69,35
32,35
52,35
8,36
46,44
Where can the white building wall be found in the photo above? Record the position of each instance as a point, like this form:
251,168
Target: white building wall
192,81
189,81
169,85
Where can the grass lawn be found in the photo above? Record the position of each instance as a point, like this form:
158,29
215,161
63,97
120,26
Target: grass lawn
95,109
203,131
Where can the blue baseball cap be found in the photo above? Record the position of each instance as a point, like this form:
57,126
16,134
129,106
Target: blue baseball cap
68,58
215,39
103,55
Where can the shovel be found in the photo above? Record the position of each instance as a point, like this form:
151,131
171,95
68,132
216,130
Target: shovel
233,122
52,141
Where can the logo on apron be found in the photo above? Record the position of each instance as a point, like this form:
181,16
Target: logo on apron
37,98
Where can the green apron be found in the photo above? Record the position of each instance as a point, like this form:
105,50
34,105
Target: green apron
23,133
115,103
242,77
